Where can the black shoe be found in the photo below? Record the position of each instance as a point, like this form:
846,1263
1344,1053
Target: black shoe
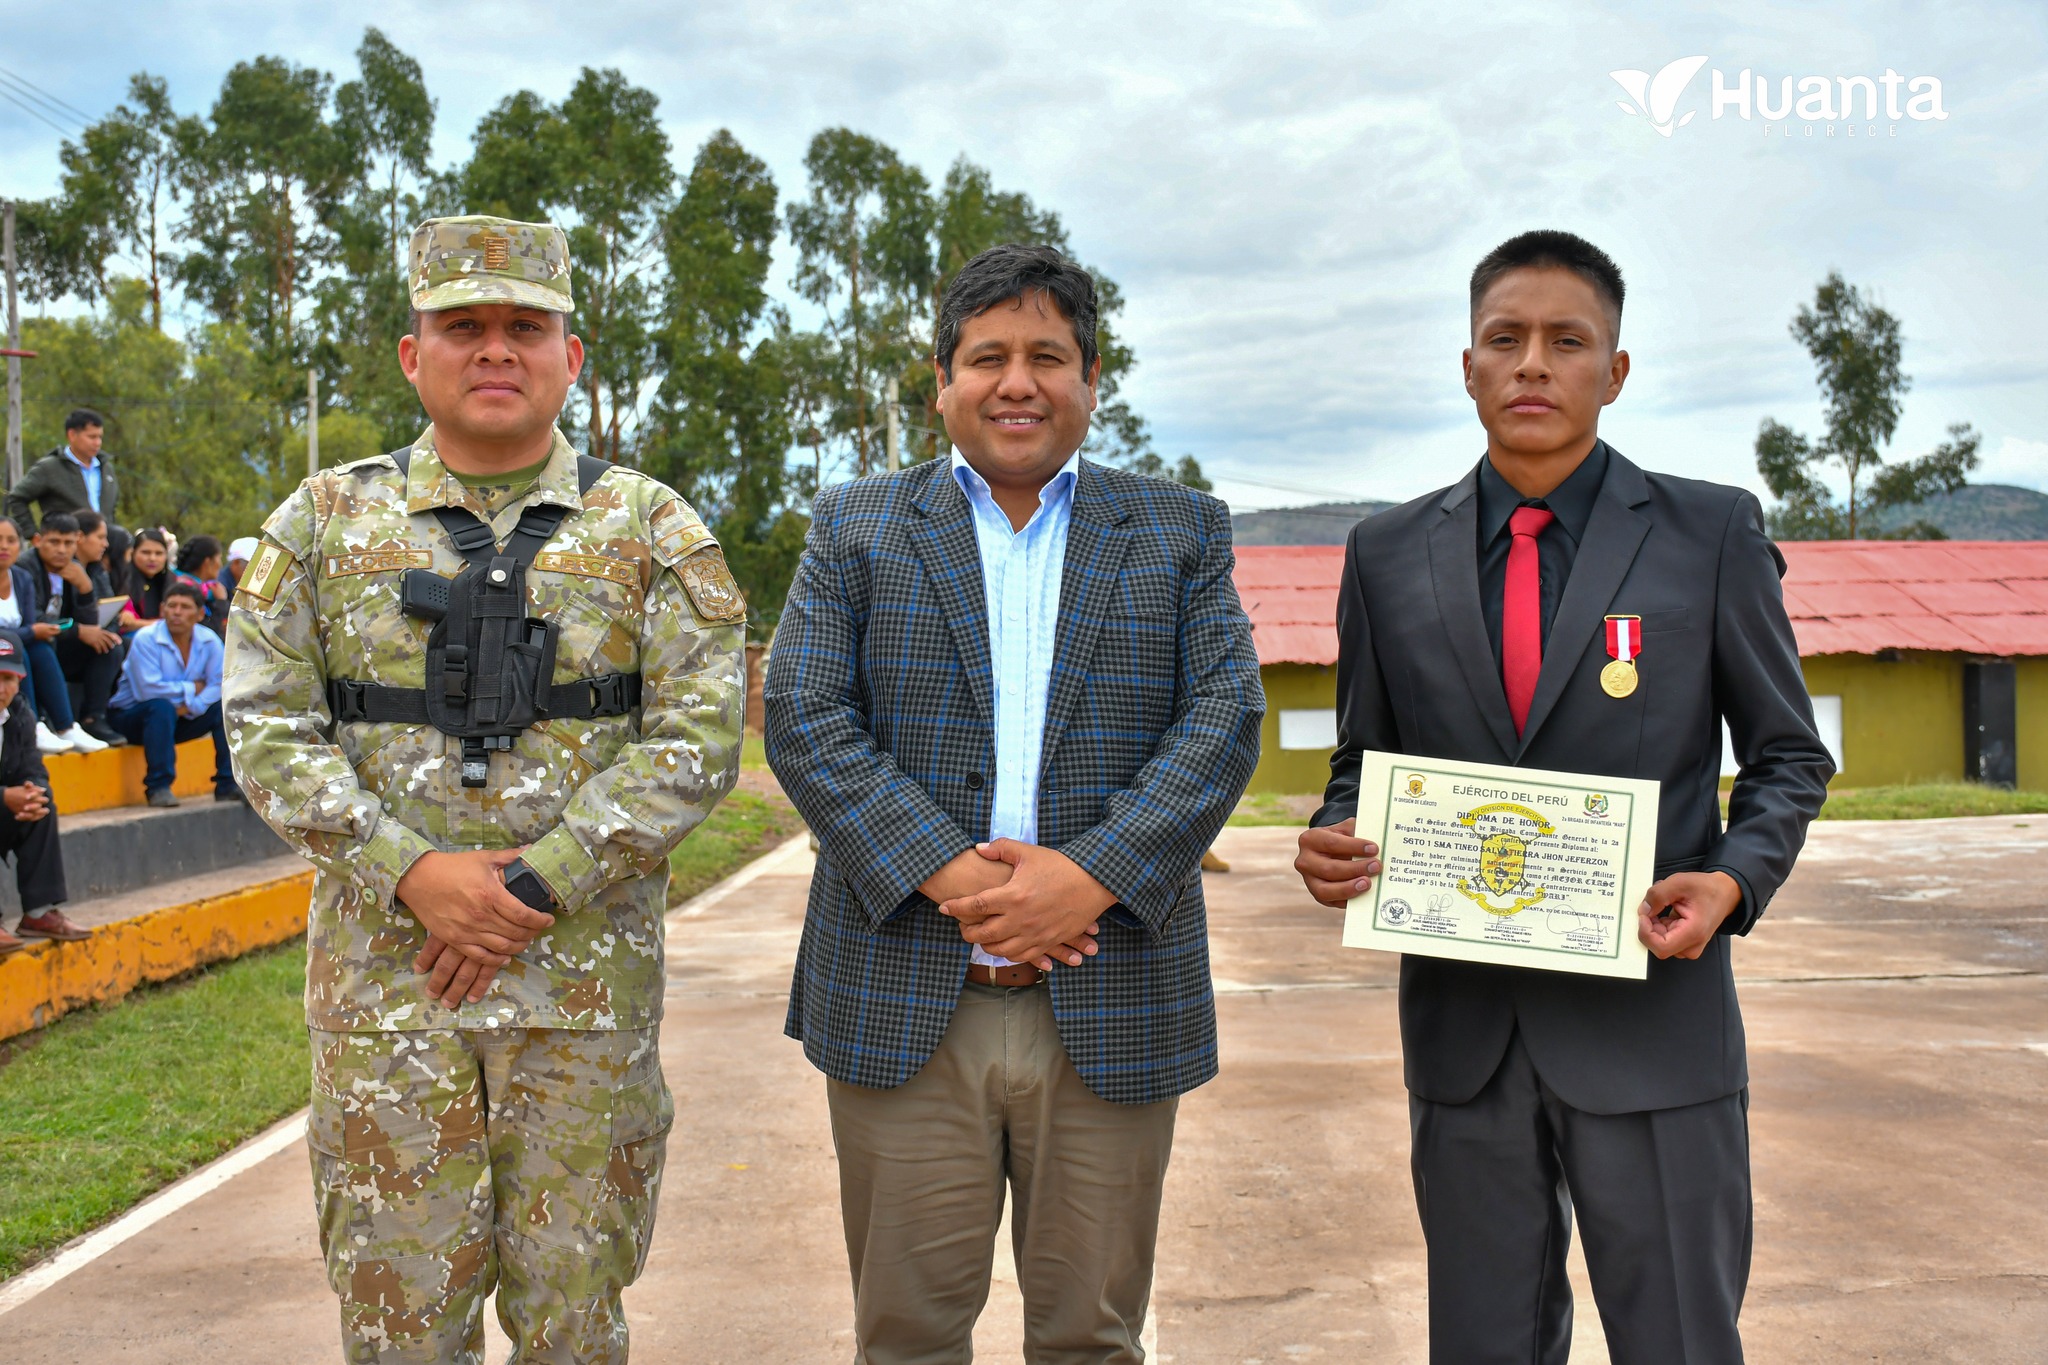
104,733
230,792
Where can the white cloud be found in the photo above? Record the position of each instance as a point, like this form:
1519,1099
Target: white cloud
2015,459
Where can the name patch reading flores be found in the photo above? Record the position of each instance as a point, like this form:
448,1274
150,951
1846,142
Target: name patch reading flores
378,561
711,587
589,566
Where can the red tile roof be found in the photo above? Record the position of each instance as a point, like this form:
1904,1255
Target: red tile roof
1290,592
1845,597
1969,596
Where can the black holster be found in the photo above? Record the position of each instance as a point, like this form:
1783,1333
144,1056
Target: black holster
490,666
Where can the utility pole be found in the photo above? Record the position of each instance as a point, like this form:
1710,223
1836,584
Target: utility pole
14,351
895,428
312,421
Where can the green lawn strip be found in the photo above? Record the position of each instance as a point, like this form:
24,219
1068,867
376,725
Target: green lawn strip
1263,809
107,1105
1930,801
745,825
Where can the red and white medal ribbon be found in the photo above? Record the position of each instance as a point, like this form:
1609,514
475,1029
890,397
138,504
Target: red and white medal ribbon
1624,637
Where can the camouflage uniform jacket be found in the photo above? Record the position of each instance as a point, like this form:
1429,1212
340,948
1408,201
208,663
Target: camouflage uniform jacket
636,583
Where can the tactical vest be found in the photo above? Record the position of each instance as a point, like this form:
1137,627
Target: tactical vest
490,666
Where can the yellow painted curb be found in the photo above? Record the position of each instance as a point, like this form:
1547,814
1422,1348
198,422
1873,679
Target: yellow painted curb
47,980
113,777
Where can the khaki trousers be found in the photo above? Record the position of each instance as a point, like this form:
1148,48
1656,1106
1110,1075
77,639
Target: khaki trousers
922,1170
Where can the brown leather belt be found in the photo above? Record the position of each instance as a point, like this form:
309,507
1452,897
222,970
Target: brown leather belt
1016,974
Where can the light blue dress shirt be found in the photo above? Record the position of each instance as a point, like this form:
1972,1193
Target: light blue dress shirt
1021,572
92,476
154,669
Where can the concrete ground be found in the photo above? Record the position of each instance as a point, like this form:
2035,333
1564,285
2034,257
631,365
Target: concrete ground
1898,1030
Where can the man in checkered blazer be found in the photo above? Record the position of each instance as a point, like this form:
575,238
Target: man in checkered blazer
1015,695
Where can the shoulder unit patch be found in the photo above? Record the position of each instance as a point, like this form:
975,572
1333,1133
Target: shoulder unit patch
709,581
265,574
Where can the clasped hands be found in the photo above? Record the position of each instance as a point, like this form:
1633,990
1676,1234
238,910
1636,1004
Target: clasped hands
1678,917
474,924
1022,902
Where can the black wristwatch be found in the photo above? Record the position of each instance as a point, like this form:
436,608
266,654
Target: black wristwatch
532,890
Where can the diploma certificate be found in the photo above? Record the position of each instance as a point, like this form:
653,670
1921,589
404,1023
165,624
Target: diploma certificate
1514,866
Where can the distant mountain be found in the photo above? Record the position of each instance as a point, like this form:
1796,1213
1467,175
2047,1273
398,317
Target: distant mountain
1980,511
1326,523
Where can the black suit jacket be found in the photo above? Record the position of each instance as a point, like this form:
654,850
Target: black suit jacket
1416,675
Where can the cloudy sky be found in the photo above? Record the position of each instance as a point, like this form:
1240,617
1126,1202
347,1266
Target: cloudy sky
1293,194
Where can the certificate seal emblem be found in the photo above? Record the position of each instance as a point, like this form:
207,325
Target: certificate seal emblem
1506,829
1618,679
1395,912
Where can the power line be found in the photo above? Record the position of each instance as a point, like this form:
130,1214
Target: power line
30,93
47,97
32,111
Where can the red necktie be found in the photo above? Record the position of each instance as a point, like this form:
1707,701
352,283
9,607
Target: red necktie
1521,622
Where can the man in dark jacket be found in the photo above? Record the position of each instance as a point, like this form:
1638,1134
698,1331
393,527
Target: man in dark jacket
68,592
28,818
75,477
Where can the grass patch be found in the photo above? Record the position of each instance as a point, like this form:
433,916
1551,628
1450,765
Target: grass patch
107,1105
1262,809
745,825
753,754
1930,801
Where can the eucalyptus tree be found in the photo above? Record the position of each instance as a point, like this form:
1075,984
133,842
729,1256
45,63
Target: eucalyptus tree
1856,350
597,163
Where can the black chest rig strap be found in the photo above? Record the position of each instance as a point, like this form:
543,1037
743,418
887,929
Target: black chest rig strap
490,665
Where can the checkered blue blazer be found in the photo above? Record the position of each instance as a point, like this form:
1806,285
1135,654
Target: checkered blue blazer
880,728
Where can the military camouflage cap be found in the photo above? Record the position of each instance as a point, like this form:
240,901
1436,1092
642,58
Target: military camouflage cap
477,259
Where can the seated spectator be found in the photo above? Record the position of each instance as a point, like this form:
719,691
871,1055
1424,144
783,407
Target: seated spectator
199,565
149,573
94,557
42,687
119,571
67,597
170,692
28,818
241,550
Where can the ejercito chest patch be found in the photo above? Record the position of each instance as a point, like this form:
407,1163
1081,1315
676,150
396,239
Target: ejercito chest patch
710,584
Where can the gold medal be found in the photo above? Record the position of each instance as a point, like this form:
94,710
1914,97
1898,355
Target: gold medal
1618,679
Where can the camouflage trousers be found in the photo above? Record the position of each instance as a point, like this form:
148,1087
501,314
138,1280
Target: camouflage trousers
450,1162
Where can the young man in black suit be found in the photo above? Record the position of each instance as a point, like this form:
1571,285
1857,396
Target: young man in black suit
1472,625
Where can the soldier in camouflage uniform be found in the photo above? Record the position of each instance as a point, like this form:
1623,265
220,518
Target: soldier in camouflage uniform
488,1105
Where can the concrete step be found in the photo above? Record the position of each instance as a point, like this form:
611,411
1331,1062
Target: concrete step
111,852
154,933
113,777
